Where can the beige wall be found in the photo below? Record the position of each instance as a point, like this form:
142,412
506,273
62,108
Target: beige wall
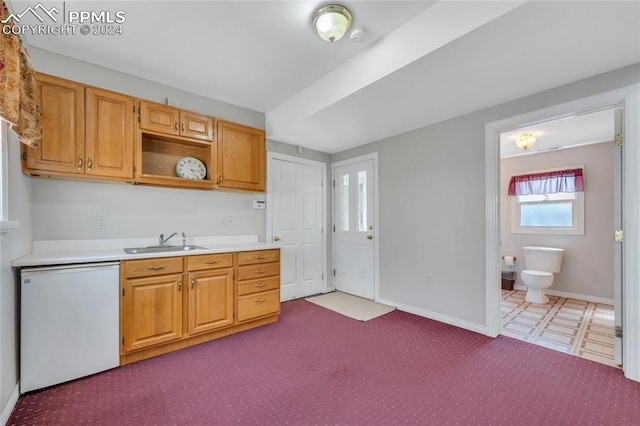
587,265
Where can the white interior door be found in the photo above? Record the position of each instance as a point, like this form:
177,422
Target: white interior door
297,226
353,219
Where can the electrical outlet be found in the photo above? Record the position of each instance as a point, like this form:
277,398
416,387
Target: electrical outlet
231,220
223,221
429,280
101,222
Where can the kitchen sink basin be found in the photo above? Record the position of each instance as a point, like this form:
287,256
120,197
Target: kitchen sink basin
161,249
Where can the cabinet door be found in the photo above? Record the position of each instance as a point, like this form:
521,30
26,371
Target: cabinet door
241,157
152,311
109,134
196,126
210,300
61,148
159,118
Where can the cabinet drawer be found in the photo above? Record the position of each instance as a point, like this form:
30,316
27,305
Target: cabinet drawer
255,286
209,261
152,267
258,305
250,272
261,256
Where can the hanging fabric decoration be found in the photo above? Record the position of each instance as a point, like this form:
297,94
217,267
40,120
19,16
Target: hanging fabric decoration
19,102
547,182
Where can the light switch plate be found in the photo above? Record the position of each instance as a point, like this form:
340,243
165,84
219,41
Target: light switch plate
259,204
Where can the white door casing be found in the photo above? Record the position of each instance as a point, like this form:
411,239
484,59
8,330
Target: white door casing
296,217
355,230
628,99
617,246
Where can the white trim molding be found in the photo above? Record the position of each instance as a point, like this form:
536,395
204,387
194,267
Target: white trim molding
629,99
477,328
10,405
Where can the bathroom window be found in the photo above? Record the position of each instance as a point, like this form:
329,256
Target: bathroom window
549,202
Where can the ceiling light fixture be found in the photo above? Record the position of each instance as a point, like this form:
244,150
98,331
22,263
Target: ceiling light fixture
332,22
526,141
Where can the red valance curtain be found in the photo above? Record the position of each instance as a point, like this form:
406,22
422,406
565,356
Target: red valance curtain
19,103
547,182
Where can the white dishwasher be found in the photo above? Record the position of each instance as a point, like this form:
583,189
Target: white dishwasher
69,323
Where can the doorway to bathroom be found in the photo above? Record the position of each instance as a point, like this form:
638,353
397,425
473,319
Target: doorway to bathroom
585,294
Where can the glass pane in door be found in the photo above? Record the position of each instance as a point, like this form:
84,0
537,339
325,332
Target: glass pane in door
343,207
362,201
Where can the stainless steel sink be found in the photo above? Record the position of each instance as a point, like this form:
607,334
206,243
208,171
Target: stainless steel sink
161,249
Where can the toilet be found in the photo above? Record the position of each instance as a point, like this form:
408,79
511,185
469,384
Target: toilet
541,264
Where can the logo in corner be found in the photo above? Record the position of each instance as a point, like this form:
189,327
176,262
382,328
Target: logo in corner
38,11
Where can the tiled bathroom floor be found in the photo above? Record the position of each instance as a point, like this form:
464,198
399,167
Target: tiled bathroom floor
576,327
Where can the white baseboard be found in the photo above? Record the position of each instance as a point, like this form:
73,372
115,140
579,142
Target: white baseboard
438,317
10,405
585,297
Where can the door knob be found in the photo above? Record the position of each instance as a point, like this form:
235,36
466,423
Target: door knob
369,237
276,238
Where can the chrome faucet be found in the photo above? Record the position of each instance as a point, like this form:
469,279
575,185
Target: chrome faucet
184,240
162,240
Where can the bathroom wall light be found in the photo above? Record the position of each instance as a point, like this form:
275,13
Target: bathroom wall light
526,141
332,22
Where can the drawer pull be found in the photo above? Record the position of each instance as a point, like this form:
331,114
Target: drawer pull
261,285
211,262
258,257
193,283
261,271
261,300
155,268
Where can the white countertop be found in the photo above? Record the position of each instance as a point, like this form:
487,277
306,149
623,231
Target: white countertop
67,252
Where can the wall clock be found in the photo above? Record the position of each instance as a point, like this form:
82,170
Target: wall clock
191,168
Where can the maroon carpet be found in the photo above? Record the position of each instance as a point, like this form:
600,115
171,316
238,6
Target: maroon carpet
318,367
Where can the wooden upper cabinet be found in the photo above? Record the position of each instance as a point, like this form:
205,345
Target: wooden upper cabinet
173,121
159,118
87,132
241,156
61,148
196,126
109,134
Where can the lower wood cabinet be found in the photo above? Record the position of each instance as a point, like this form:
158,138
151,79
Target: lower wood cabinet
174,302
210,300
152,311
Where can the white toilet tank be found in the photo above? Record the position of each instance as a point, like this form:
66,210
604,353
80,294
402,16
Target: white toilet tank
543,258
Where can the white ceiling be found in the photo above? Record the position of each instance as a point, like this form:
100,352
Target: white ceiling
421,62
567,132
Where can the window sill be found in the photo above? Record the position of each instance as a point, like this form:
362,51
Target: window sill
8,226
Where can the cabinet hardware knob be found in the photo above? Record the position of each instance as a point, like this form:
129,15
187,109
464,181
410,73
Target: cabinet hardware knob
211,262
261,271
258,257
276,238
193,283
183,127
79,162
176,126
155,268
89,164
260,285
369,237
180,284
220,178
260,300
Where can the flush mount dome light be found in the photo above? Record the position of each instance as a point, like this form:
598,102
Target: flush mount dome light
526,141
332,22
